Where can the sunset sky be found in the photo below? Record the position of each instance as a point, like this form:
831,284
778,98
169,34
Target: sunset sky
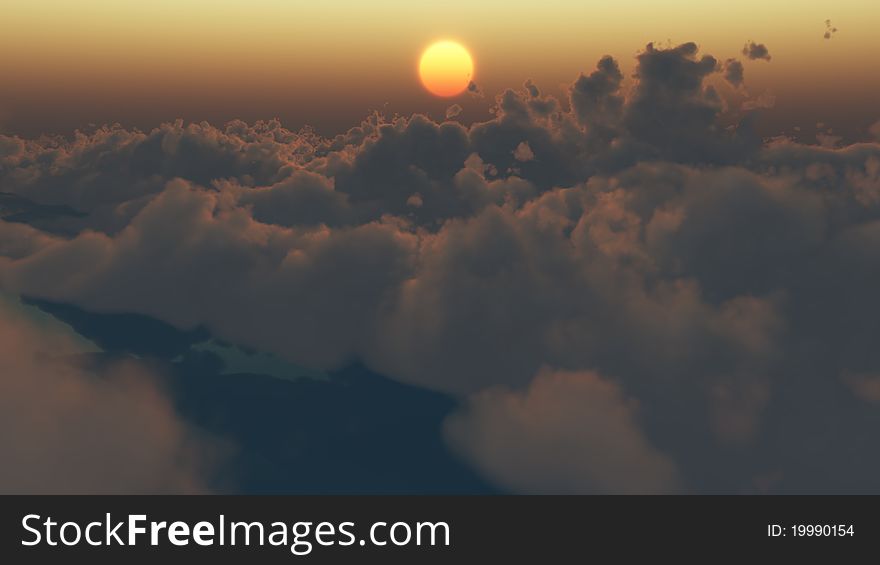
327,64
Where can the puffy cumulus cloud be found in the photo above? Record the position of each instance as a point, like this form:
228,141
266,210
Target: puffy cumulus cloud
733,72
541,106
192,256
756,51
302,199
673,114
113,165
68,429
406,157
723,283
596,99
567,279
106,177
570,432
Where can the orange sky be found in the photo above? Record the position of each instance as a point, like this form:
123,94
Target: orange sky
66,63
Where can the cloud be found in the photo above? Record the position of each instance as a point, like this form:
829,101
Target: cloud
302,199
453,111
595,99
540,106
10,147
764,100
647,236
874,130
866,387
756,51
187,237
673,114
474,90
570,432
830,30
66,428
523,152
106,177
733,72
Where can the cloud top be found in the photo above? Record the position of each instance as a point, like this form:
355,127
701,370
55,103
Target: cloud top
639,239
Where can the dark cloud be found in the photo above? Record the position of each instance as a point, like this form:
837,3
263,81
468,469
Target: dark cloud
597,94
10,148
733,72
673,115
302,199
755,51
474,90
540,106
632,244
596,101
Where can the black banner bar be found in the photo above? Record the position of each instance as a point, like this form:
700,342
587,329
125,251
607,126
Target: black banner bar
334,529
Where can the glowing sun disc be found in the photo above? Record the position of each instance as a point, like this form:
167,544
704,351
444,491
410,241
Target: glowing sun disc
446,68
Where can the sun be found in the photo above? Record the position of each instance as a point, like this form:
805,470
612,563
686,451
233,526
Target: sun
446,68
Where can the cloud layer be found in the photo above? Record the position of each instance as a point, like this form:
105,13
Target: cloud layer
723,282
568,433
67,428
